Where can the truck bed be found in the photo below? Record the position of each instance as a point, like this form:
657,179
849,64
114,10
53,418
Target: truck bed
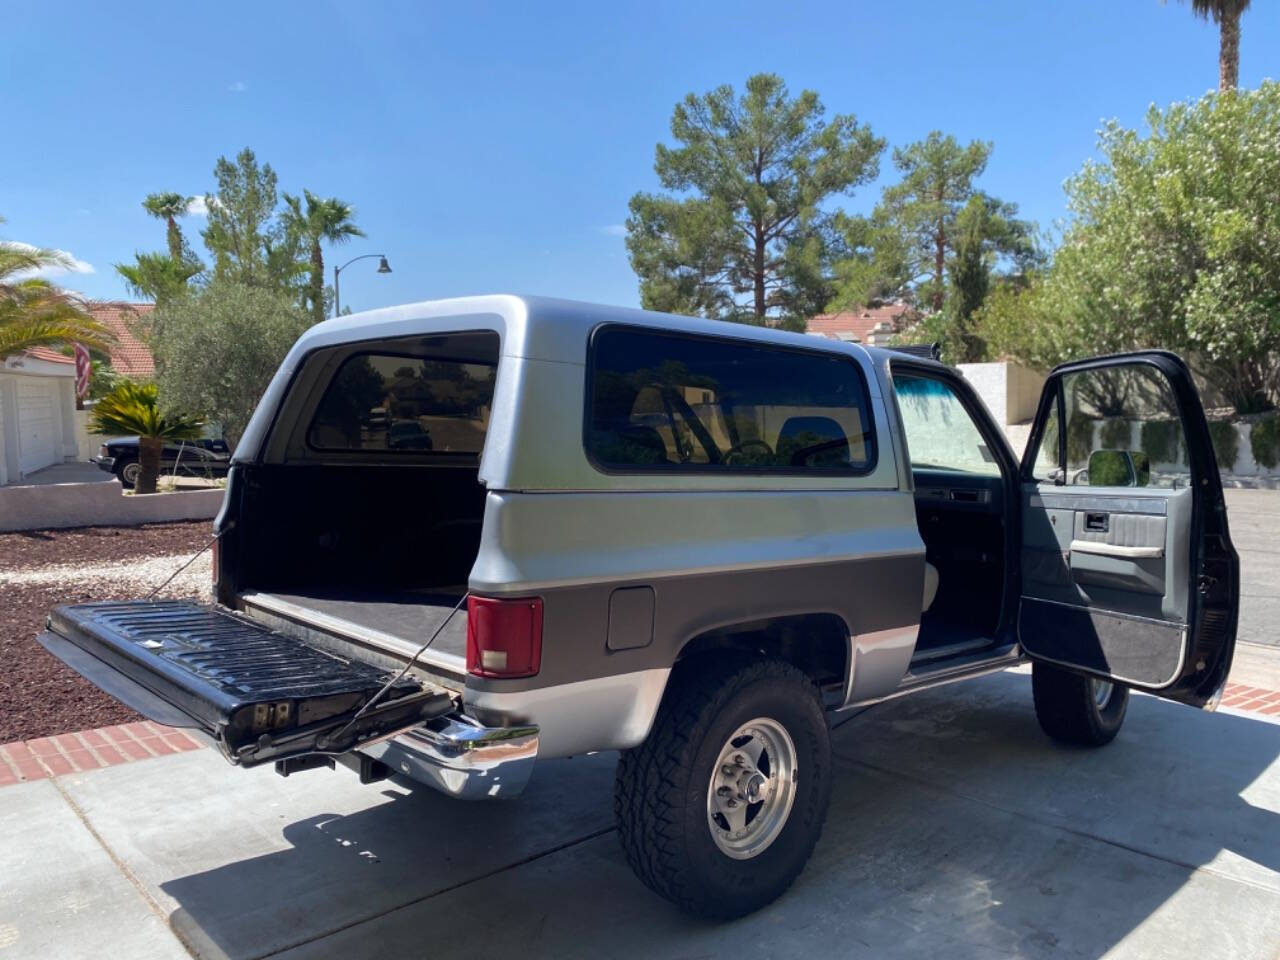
393,622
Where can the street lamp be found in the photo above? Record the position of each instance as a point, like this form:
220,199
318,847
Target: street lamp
383,267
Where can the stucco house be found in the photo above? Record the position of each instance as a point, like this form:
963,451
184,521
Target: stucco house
39,425
873,326
37,412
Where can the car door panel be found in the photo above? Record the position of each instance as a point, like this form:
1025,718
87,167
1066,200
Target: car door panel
1136,584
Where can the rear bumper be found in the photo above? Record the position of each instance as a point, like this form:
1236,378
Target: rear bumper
461,758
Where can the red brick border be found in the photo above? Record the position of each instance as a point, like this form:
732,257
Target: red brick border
56,756
1254,699
65,753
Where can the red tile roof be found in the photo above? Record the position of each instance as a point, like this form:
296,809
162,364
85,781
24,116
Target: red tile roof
50,355
860,324
130,356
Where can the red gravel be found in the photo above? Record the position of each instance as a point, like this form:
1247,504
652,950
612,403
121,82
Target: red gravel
40,696
39,548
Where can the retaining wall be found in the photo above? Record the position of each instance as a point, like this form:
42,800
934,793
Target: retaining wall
99,505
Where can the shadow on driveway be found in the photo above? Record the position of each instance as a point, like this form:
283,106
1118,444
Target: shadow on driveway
956,829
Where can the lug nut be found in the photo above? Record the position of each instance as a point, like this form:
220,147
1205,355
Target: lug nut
723,792
739,759
727,770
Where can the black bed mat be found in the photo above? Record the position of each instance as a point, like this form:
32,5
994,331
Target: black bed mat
261,694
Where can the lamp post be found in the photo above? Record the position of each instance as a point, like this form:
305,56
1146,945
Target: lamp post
383,267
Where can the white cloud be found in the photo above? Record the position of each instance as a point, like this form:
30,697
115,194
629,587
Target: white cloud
238,87
73,264
614,230
198,207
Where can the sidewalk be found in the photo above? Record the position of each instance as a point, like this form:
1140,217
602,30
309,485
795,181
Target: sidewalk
956,829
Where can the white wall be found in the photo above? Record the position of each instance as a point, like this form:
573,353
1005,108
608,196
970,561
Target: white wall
1010,391
98,504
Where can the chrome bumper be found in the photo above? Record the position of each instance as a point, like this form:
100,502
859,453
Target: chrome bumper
457,756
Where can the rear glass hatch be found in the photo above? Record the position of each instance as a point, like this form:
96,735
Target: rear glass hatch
261,695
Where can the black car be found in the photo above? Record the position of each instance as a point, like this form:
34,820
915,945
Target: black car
188,458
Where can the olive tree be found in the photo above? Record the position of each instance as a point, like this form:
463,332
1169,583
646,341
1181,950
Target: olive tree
217,349
1174,243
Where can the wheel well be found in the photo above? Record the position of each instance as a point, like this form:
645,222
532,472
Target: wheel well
816,643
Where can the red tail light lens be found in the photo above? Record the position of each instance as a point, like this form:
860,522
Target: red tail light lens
504,637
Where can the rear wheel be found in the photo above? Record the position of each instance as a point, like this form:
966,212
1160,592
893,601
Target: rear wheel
721,806
1077,709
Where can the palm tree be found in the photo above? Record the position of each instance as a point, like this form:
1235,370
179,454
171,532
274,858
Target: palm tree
328,219
35,313
169,207
1226,14
132,408
157,276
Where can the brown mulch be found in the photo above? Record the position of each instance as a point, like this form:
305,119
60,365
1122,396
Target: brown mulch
39,696
38,548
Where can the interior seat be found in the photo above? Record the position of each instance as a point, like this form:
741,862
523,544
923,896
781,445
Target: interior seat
930,585
822,436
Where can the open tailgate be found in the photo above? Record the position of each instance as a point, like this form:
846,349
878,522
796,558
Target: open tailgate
261,695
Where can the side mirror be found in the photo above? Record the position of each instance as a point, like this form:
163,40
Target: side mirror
1119,468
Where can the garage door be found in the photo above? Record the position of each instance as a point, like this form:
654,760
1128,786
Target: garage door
37,424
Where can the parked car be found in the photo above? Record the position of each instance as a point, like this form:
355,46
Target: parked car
688,541
408,435
205,457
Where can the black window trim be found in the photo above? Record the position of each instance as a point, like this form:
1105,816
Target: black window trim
435,456
870,435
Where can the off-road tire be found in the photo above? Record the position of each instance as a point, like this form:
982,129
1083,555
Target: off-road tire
660,792
1068,711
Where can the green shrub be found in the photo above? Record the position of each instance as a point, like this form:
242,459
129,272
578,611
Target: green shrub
1079,437
1161,440
1264,438
1116,435
1226,443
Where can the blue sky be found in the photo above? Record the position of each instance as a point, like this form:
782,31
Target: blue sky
494,146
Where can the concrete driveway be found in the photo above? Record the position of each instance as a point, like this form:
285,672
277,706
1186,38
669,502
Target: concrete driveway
956,830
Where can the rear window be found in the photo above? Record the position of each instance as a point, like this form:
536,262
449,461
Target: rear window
660,401
397,403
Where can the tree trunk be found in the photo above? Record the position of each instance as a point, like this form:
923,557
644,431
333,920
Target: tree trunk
1229,49
317,282
149,449
174,236
758,270
939,265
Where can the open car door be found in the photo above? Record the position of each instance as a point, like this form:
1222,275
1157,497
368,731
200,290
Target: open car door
1128,572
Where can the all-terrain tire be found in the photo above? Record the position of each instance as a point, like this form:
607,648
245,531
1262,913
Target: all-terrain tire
660,798
1068,707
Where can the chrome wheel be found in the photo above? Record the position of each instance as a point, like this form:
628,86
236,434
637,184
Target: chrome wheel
1102,691
753,786
129,473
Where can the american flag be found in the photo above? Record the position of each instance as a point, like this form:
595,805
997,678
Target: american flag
82,371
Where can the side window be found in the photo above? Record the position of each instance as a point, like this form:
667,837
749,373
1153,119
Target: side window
391,403
940,433
1123,428
664,401
1047,465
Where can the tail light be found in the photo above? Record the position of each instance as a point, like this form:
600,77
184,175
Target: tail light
504,637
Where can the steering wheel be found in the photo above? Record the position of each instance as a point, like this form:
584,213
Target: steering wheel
738,451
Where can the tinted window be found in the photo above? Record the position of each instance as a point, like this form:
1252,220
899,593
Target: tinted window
659,401
940,433
1123,428
390,402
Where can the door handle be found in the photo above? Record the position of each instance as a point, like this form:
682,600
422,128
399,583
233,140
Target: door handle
1097,522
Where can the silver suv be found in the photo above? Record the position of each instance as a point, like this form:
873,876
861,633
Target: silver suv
463,536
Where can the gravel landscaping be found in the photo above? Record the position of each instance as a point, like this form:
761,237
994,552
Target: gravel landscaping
40,569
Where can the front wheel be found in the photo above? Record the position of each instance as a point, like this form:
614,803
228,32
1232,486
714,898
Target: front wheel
128,474
1076,709
721,806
